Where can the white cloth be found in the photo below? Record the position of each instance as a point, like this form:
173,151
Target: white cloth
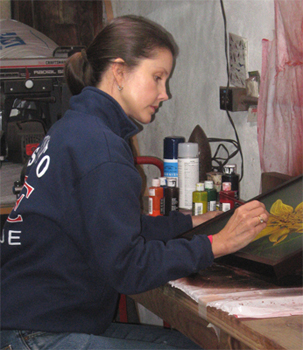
18,40
244,302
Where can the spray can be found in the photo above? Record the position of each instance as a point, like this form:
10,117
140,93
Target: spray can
170,155
171,196
211,195
155,198
199,200
230,176
188,172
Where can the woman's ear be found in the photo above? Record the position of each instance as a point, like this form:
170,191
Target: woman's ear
118,69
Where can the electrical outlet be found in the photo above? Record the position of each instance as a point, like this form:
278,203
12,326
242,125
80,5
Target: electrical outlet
231,99
252,114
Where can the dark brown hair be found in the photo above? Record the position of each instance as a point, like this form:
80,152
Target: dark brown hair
128,37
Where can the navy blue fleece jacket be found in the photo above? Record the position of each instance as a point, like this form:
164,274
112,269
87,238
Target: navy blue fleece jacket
76,237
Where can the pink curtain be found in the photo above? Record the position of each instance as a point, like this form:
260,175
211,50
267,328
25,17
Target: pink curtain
280,107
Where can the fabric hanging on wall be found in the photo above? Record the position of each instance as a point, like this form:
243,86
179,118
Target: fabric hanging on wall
280,107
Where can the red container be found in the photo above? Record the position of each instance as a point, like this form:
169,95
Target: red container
225,202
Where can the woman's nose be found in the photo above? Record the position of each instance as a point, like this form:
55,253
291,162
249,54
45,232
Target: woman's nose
163,96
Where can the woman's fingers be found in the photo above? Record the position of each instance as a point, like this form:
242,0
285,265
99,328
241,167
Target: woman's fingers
250,214
244,225
253,205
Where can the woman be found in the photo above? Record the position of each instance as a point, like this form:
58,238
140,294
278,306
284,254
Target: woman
76,238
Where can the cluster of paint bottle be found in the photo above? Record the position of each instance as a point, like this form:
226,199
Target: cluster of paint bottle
181,187
163,196
227,185
204,199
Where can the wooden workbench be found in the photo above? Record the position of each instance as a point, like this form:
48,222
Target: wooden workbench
217,329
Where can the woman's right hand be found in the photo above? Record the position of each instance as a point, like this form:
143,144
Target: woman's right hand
244,225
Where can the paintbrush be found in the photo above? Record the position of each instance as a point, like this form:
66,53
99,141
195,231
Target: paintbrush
241,202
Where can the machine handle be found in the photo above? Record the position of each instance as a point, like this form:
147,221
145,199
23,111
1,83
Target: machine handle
150,160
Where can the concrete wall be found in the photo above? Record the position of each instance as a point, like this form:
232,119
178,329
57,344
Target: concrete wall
198,29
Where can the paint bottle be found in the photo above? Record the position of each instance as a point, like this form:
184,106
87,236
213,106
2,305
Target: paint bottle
199,205
171,196
229,176
155,198
170,155
211,195
163,182
226,203
188,172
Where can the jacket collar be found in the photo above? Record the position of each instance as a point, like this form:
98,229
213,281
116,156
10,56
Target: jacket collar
93,101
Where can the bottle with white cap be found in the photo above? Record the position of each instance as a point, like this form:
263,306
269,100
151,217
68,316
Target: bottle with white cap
171,195
155,198
199,200
188,172
211,195
163,182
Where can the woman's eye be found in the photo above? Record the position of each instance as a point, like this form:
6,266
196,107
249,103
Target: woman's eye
157,78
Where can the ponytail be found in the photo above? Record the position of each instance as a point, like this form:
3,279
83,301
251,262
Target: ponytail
78,72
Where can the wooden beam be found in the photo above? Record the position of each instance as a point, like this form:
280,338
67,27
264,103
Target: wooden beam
108,10
5,209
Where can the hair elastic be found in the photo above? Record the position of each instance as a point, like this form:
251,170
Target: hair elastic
84,55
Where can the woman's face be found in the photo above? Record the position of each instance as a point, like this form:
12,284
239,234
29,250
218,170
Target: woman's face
144,87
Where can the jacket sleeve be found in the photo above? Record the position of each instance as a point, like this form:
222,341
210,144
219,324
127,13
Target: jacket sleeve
165,227
128,252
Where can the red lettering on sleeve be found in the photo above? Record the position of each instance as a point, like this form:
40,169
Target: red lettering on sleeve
17,219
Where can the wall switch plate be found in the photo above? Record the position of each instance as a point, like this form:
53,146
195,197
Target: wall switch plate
231,99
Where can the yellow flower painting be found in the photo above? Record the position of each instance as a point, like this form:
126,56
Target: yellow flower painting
283,221
277,251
